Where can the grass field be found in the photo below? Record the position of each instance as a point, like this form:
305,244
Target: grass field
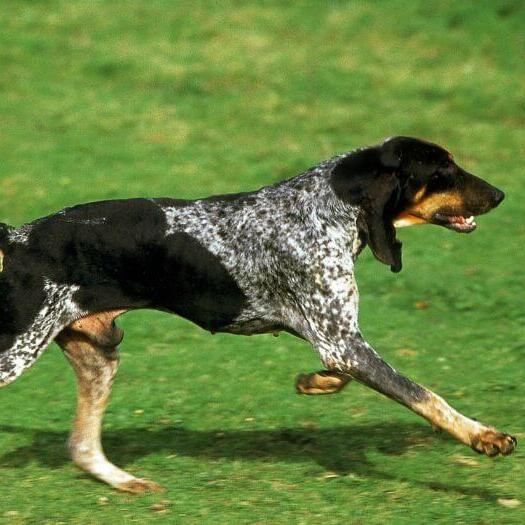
114,99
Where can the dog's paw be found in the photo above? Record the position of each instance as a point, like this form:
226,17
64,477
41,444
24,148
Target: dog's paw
324,382
139,486
491,442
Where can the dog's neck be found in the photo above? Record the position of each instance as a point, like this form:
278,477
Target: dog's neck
313,196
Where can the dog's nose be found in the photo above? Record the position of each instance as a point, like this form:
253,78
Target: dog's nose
498,196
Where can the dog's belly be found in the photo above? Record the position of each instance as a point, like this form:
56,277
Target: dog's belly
254,326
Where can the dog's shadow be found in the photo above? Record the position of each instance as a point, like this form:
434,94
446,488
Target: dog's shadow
340,450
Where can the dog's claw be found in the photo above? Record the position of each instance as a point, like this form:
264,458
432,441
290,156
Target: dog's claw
492,443
139,486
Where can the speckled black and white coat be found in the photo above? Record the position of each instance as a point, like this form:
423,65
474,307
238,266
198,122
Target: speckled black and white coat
280,258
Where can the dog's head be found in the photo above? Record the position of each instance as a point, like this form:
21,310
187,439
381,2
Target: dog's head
406,181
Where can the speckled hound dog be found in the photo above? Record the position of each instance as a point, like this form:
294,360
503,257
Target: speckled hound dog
280,258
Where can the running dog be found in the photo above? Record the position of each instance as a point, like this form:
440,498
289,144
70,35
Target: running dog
279,258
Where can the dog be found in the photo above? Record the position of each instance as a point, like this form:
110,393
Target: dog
279,258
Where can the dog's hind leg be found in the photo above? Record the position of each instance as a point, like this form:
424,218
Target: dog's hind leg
22,342
90,344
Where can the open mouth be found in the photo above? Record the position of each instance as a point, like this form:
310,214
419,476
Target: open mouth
458,223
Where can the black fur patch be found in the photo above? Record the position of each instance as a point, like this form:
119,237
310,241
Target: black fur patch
117,252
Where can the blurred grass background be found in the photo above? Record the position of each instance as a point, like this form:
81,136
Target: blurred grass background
119,99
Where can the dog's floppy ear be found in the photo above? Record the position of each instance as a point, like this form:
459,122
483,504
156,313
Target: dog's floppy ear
378,208
362,179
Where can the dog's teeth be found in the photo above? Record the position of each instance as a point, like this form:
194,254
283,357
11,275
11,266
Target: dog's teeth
470,220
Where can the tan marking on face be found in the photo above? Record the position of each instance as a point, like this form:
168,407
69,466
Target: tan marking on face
422,211
405,219
435,202
419,195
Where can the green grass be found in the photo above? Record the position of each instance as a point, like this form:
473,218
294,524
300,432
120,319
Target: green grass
113,99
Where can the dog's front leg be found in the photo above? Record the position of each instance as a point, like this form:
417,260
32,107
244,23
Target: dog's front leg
357,358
